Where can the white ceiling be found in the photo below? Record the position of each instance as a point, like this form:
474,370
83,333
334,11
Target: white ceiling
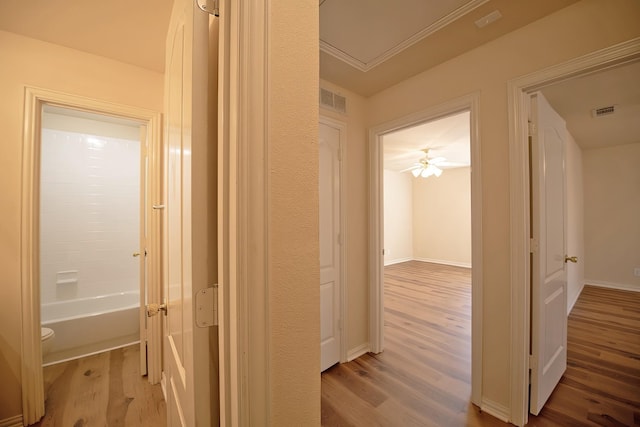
447,137
574,99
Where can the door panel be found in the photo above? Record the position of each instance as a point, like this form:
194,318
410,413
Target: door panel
548,267
330,268
186,221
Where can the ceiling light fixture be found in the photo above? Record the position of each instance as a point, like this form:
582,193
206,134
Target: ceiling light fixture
428,166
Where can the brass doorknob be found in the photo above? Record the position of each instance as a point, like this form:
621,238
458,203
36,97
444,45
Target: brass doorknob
135,254
573,259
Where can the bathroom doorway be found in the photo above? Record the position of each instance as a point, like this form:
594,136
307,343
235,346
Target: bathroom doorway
70,230
92,232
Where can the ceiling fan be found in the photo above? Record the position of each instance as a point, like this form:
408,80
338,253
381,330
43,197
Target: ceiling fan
427,166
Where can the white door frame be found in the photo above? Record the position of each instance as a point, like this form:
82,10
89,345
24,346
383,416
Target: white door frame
342,127
376,224
35,98
243,222
518,95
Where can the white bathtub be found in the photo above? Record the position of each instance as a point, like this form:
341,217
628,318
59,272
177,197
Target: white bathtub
91,325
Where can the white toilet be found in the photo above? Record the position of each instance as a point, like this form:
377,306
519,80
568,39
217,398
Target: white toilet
46,335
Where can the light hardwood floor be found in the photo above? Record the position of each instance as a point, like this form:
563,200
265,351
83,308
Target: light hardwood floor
423,376
102,390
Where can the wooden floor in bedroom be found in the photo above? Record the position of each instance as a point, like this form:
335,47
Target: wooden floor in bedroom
423,376
105,389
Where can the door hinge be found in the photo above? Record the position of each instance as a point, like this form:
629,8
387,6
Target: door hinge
533,245
532,362
532,129
212,7
207,307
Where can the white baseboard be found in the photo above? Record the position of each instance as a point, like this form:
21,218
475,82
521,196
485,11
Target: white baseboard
495,409
397,261
12,422
572,303
445,262
354,353
619,286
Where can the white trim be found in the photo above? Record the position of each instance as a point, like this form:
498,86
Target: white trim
12,422
398,261
354,353
445,262
517,91
243,218
405,44
342,127
612,285
495,409
35,98
470,103
575,299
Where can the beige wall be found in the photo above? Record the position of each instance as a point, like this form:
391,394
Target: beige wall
31,62
442,218
574,31
612,207
398,217
356,183
294,276
575,220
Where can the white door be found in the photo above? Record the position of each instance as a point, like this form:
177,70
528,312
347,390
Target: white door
142,252
186,349
548,263
330,254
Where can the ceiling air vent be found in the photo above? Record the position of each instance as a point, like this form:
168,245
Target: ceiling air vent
333,101
604,111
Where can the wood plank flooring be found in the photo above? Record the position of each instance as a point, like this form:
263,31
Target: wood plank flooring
601,386
423,376
102,390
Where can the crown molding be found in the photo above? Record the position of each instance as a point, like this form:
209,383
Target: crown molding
421,35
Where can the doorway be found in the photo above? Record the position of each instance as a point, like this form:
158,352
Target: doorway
519,91
468,105
332,243
37,101
92,233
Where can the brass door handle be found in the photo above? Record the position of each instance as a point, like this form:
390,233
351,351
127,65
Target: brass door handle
573,259
153,309
135,254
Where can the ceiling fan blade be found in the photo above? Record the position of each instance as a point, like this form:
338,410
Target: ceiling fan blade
437,160
416,166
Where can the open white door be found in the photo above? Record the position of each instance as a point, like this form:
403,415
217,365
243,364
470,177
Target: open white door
330,254
186,346
548,247
142,253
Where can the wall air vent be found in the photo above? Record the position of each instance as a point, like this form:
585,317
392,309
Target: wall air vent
333,101
604,111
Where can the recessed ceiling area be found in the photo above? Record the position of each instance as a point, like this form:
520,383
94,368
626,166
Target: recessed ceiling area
396,40
359,31
447,137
